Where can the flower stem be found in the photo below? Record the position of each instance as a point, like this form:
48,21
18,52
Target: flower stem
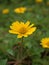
22,40
21,47
46,53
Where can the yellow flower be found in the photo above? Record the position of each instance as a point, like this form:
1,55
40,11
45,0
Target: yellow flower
22,29
48,3
45,42
5,11
20,10
38,1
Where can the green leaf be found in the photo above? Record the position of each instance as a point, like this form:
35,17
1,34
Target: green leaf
3,62
10,51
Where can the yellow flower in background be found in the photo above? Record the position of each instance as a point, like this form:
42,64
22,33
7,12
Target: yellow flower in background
48,3
45,42
5,11
38,1
20,10
22,29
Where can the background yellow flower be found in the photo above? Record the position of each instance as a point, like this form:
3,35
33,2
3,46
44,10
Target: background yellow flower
22,29
38,1
20,10
5,11
48,3
45,42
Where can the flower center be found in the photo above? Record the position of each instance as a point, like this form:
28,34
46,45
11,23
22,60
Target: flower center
22,30
20,9
47,43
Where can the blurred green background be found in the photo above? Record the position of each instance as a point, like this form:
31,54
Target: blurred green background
37,13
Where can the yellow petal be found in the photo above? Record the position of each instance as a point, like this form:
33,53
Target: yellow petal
17,22
45,46
14,32
15,26
25,35
30,26
22,23
31,30
27,23
19,36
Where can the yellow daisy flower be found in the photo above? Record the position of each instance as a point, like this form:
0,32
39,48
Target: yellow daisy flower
38,1
20,10
5,11
45,42
22,29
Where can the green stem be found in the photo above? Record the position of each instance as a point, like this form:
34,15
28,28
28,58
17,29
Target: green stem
22,40
21,47
46,53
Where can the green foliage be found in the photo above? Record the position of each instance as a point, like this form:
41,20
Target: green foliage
3,62
10,46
